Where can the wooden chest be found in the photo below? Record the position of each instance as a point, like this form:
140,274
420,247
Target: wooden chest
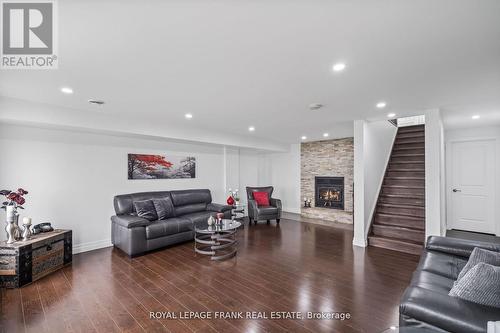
24,262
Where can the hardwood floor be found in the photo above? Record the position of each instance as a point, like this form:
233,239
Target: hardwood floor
291,267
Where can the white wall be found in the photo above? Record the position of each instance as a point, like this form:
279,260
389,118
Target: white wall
435,207
284,175
280,170
476,133
72,176
372,149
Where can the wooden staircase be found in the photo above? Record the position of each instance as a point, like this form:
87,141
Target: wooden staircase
399,219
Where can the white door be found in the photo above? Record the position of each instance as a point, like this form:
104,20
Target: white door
472,186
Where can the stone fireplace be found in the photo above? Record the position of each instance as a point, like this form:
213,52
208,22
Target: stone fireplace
327,176
329,192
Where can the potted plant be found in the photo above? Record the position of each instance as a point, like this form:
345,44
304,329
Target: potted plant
14,201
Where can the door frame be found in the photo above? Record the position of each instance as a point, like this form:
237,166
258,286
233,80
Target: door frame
448,187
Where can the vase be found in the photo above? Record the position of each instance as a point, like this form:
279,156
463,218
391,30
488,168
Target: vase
11,214
10,232
18,232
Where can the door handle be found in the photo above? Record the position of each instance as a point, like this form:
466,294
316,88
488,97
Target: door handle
456,190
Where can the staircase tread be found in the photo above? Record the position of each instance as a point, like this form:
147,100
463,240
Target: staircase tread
406,148
405,177
400,205
406,196
406,162
414,228
412,127
398,227
406,170
401,216
406,155
412,141
397,240
404,186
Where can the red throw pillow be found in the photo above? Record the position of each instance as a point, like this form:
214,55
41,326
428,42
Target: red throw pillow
262,198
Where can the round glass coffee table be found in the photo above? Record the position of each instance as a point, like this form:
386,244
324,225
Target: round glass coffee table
217,241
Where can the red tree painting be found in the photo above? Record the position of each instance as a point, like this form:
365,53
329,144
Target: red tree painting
158,167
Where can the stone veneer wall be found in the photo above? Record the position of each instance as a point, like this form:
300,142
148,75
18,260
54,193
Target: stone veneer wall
331,158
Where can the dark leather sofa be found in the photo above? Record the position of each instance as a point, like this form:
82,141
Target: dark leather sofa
136,235
426,304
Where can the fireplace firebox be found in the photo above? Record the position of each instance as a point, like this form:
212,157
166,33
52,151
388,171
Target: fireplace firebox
329,192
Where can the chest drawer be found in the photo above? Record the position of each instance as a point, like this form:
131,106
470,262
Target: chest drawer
47,258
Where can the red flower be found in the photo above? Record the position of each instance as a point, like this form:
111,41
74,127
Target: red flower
22,191
13,196
20,200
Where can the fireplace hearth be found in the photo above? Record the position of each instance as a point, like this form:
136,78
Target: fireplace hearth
329,192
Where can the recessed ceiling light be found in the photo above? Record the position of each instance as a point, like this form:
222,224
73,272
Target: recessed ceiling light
315,106
338,67
381,105
188,116
303,137
251,128
96,102
476,116
67,90
391,115
325,135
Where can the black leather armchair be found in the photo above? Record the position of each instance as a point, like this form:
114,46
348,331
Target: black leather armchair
256,213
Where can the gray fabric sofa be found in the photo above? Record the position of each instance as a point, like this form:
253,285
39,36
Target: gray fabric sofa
426,304
258,213
136,235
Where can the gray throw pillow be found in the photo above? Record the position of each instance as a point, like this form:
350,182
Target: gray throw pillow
164,208
480,255
146,210
481,285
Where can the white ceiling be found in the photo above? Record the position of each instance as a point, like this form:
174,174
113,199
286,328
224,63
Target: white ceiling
233,64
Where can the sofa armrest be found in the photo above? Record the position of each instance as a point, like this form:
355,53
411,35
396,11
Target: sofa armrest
130,221
253,208
213,207
457,246
275,202
448,313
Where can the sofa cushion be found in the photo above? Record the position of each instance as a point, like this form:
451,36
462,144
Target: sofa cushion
146,209
442,264
188,197
124,203
199,218
164,208
480,255
267,210
168,227
431,281
188,209
481,285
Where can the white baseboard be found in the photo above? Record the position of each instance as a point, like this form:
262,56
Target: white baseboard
89,246
291,210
